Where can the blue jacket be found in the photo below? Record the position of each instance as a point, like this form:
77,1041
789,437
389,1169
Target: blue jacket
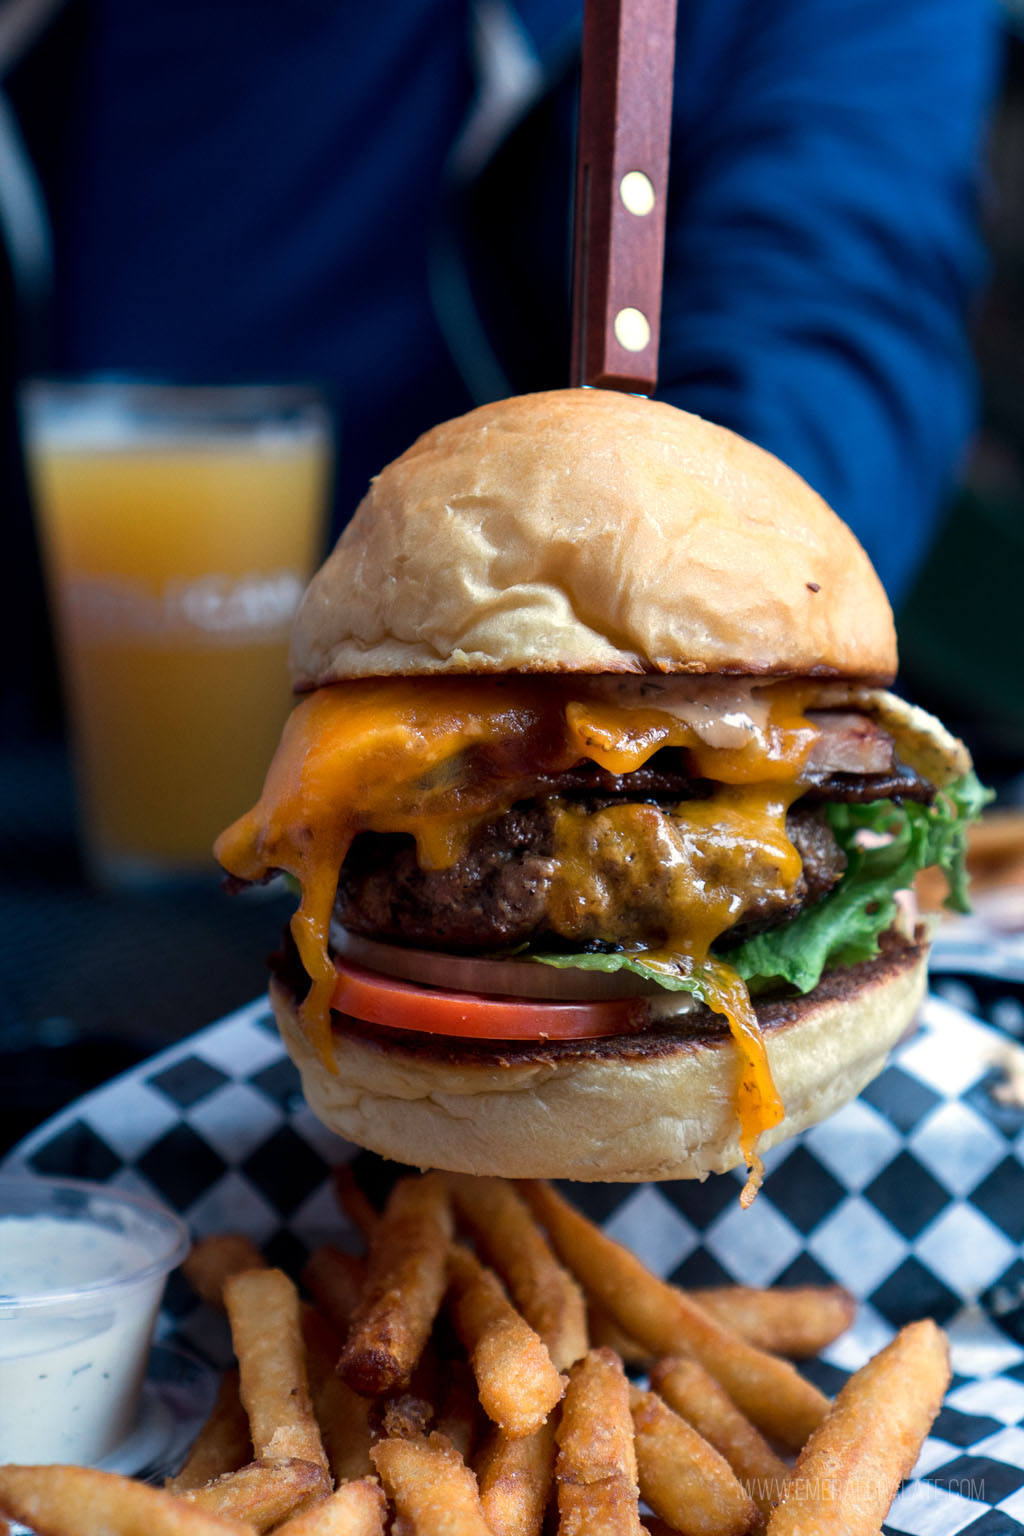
378,197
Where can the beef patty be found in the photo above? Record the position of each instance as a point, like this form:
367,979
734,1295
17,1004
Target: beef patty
497,894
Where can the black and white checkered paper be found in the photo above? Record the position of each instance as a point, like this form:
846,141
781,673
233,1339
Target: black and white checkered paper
912,1197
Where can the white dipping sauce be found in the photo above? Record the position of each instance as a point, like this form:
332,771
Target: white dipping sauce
71,1369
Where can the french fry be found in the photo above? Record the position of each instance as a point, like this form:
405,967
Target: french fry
768,1390
604,1330
354,1509
516,1478
342,1415
683,1478
432,1488
353,1201
458,1411
847,1474
595,1469
595,1435
210,1262
264,1312
404,1416
406,1276
516,1380
796,1321
597,1509
509,1241
222,1445
81,1501
408,1414
696,1396
335,1281
264,1493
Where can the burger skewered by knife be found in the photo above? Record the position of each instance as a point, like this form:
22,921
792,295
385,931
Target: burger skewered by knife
597,805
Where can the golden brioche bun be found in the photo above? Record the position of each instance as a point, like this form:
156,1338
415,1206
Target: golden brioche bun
661,1105
591,531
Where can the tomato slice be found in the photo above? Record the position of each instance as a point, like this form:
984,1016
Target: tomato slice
398,1004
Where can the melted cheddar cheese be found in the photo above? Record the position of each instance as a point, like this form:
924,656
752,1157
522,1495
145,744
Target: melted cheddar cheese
434,757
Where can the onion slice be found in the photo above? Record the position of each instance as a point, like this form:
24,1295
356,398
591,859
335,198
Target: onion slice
505,978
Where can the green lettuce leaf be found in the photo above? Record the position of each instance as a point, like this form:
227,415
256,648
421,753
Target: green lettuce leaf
845,927
673,982
703,982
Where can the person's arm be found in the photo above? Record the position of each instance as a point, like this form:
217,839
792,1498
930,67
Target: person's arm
822,249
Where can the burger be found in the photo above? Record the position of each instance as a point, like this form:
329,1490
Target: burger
600,816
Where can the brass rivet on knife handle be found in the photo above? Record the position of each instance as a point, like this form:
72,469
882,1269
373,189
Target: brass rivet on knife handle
621,186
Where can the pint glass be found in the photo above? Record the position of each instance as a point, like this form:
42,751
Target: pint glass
179,527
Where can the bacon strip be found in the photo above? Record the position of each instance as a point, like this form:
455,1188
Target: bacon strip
849,742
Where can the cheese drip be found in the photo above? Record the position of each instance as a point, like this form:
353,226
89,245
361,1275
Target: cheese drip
434,757
667,885
380,756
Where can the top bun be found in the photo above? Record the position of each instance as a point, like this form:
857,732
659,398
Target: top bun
584,530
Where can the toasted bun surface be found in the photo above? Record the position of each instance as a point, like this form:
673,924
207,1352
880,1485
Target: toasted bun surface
661,1105
587,530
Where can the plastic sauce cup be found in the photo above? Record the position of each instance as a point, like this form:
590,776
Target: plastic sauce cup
82,1271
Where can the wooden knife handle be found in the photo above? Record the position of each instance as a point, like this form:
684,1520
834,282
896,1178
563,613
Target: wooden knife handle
621,186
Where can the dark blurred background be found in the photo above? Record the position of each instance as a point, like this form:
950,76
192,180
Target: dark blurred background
961,649
91,981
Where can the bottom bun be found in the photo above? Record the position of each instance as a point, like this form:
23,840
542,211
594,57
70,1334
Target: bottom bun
660,1105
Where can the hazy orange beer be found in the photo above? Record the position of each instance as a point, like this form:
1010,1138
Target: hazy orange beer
179,528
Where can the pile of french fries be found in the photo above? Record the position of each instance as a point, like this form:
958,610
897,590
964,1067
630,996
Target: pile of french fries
466,1377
